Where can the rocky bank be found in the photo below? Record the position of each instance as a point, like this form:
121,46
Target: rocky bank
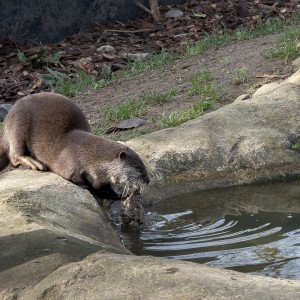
56,243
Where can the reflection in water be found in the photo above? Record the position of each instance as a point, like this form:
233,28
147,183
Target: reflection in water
263,241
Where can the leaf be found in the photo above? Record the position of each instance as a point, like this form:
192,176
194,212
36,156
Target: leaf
125,125
199,15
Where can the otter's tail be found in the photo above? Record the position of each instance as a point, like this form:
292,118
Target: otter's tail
4,160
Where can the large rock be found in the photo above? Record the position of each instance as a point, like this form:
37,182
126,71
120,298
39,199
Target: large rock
56,244
114,276
46,222
248,141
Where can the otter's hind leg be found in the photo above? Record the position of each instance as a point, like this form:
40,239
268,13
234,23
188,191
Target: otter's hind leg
4,161
16,133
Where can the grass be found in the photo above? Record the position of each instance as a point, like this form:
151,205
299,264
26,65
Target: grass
286,47
176,118
221,37
239,76
70,86
133,109
202,84
1,125
149,63
295,146
126,110
154,98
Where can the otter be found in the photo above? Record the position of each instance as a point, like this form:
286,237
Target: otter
47,131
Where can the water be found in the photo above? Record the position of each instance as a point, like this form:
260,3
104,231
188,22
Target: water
253,229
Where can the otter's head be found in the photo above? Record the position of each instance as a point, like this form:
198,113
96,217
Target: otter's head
124,175
131,176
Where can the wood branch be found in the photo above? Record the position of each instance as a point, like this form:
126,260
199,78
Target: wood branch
142,7
129,31
271,76
154,9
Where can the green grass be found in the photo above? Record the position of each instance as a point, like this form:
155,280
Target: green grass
295,146
156,98
202,84
1,125
286,47
70,86
176,118
239,76
138,108
149,63
126,110
221,37
99,130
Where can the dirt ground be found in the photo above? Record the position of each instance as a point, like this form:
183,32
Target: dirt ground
27,67
221,62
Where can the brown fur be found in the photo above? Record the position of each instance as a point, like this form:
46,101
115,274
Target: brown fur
47,131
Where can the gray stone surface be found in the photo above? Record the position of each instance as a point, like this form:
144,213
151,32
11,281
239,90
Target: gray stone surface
46,222
113,276
56,244
244,142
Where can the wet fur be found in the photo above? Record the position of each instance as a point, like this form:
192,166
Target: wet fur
47,131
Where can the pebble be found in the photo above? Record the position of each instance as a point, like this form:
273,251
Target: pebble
106,49
174,13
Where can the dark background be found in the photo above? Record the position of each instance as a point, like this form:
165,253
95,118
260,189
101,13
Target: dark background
52,20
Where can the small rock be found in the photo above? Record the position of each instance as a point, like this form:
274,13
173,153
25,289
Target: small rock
174,13
296,63
106,49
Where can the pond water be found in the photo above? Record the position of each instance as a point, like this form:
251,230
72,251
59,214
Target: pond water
253,229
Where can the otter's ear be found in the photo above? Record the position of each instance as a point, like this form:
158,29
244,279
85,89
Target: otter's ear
122,155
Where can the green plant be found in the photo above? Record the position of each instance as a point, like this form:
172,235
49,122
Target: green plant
286,47
1,125
99,130
239,75
41,58
295,146
149,63
106,70
199,81
203,85
21,56
153,98
66,85
176,118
